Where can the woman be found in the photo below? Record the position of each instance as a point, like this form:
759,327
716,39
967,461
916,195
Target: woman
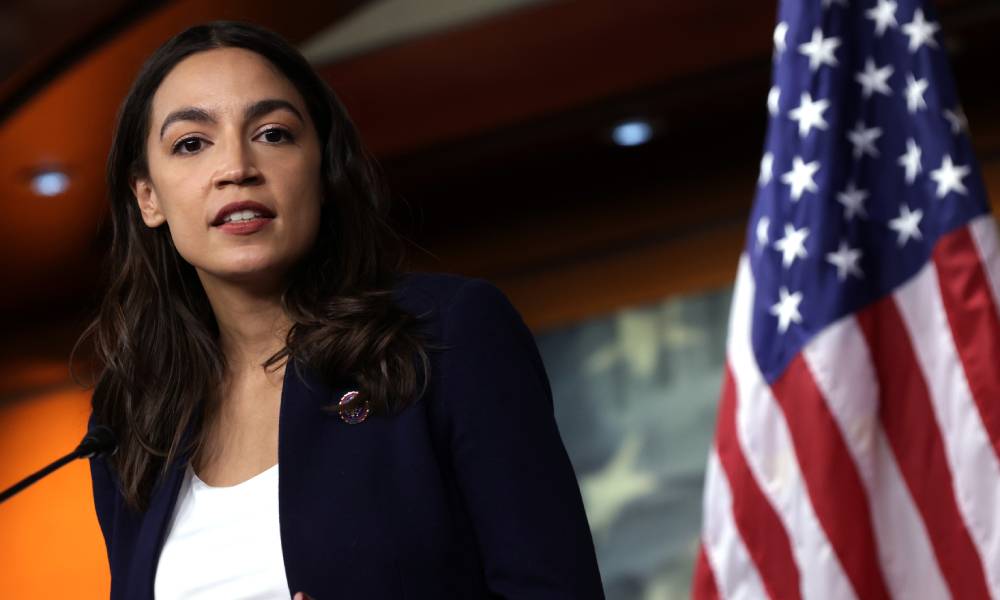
255,320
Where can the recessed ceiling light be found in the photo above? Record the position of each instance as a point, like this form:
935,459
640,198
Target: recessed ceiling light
49,182
632,133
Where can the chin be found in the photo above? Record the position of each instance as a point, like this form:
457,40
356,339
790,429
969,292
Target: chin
247,270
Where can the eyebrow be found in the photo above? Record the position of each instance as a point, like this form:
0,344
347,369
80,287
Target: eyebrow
253,111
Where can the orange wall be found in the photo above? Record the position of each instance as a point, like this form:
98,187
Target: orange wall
51,545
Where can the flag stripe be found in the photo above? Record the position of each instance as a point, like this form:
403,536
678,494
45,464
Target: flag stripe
842,368
972,315
726,556
974,466
984,234
767,448
703,587
908,419
831,476
755,518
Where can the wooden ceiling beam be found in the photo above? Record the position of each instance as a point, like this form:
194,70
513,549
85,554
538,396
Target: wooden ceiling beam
538,61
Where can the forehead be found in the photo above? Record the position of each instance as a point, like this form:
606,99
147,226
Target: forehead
222,79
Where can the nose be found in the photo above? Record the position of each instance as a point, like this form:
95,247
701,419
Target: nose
237,166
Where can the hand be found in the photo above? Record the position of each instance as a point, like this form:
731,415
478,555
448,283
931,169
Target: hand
302,596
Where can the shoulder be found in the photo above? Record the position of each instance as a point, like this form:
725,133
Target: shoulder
428,289
479,327
449,298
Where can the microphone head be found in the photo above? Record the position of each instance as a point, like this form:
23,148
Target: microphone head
99,440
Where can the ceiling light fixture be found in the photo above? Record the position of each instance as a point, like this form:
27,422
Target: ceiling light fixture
632,133
49,182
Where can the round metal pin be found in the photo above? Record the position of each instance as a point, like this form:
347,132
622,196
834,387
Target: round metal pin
355,415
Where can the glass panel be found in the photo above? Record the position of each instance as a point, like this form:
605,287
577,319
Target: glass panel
635,397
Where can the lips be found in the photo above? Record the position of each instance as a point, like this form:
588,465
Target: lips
232,207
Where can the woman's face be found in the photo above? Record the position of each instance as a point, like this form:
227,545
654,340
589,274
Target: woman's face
226,126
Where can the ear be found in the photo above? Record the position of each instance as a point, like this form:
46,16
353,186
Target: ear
149,203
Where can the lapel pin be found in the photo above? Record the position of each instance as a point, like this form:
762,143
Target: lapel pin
355,415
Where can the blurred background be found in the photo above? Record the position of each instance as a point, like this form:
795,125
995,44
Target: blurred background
596,159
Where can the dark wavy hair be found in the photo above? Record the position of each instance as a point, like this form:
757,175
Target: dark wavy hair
155,337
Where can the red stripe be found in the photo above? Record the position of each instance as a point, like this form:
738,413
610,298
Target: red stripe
703,586
975,326
908,420
763,534
835,488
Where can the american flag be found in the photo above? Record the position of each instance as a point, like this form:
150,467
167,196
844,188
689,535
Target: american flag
856,448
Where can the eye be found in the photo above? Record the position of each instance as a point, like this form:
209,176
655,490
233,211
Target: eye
188,145
276,135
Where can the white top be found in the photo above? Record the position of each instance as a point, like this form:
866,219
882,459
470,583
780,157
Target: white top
223,542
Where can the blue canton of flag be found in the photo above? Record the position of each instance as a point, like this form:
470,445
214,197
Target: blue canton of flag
867,163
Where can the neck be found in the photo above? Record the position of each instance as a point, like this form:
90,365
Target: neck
252,323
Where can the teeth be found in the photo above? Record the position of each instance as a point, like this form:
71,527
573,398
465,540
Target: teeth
241,215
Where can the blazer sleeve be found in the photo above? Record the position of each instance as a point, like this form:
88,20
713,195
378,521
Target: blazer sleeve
511,465
105,489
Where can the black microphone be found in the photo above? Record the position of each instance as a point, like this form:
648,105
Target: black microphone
100,440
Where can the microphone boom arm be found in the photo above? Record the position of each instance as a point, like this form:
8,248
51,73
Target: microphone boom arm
99,440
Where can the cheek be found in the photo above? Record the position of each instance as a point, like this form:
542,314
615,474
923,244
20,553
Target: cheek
188,235
182,206
305,191
306,219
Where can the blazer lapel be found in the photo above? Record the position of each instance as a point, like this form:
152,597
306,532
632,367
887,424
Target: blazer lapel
152,530
330,489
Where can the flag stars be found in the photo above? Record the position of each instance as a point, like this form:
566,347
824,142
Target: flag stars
763,232
780,34
957,119
864,139
800,178
911,161
809,114
793,245
766,169
787,309
921,32
820,50
853,200
915,89
884,15
907,225
949,177
773,100
846,260
874,79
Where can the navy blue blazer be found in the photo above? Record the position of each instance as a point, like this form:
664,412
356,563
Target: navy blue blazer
467,493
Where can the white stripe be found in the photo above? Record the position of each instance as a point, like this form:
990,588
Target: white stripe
984,234
842,368
767,446
735,574
973,463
